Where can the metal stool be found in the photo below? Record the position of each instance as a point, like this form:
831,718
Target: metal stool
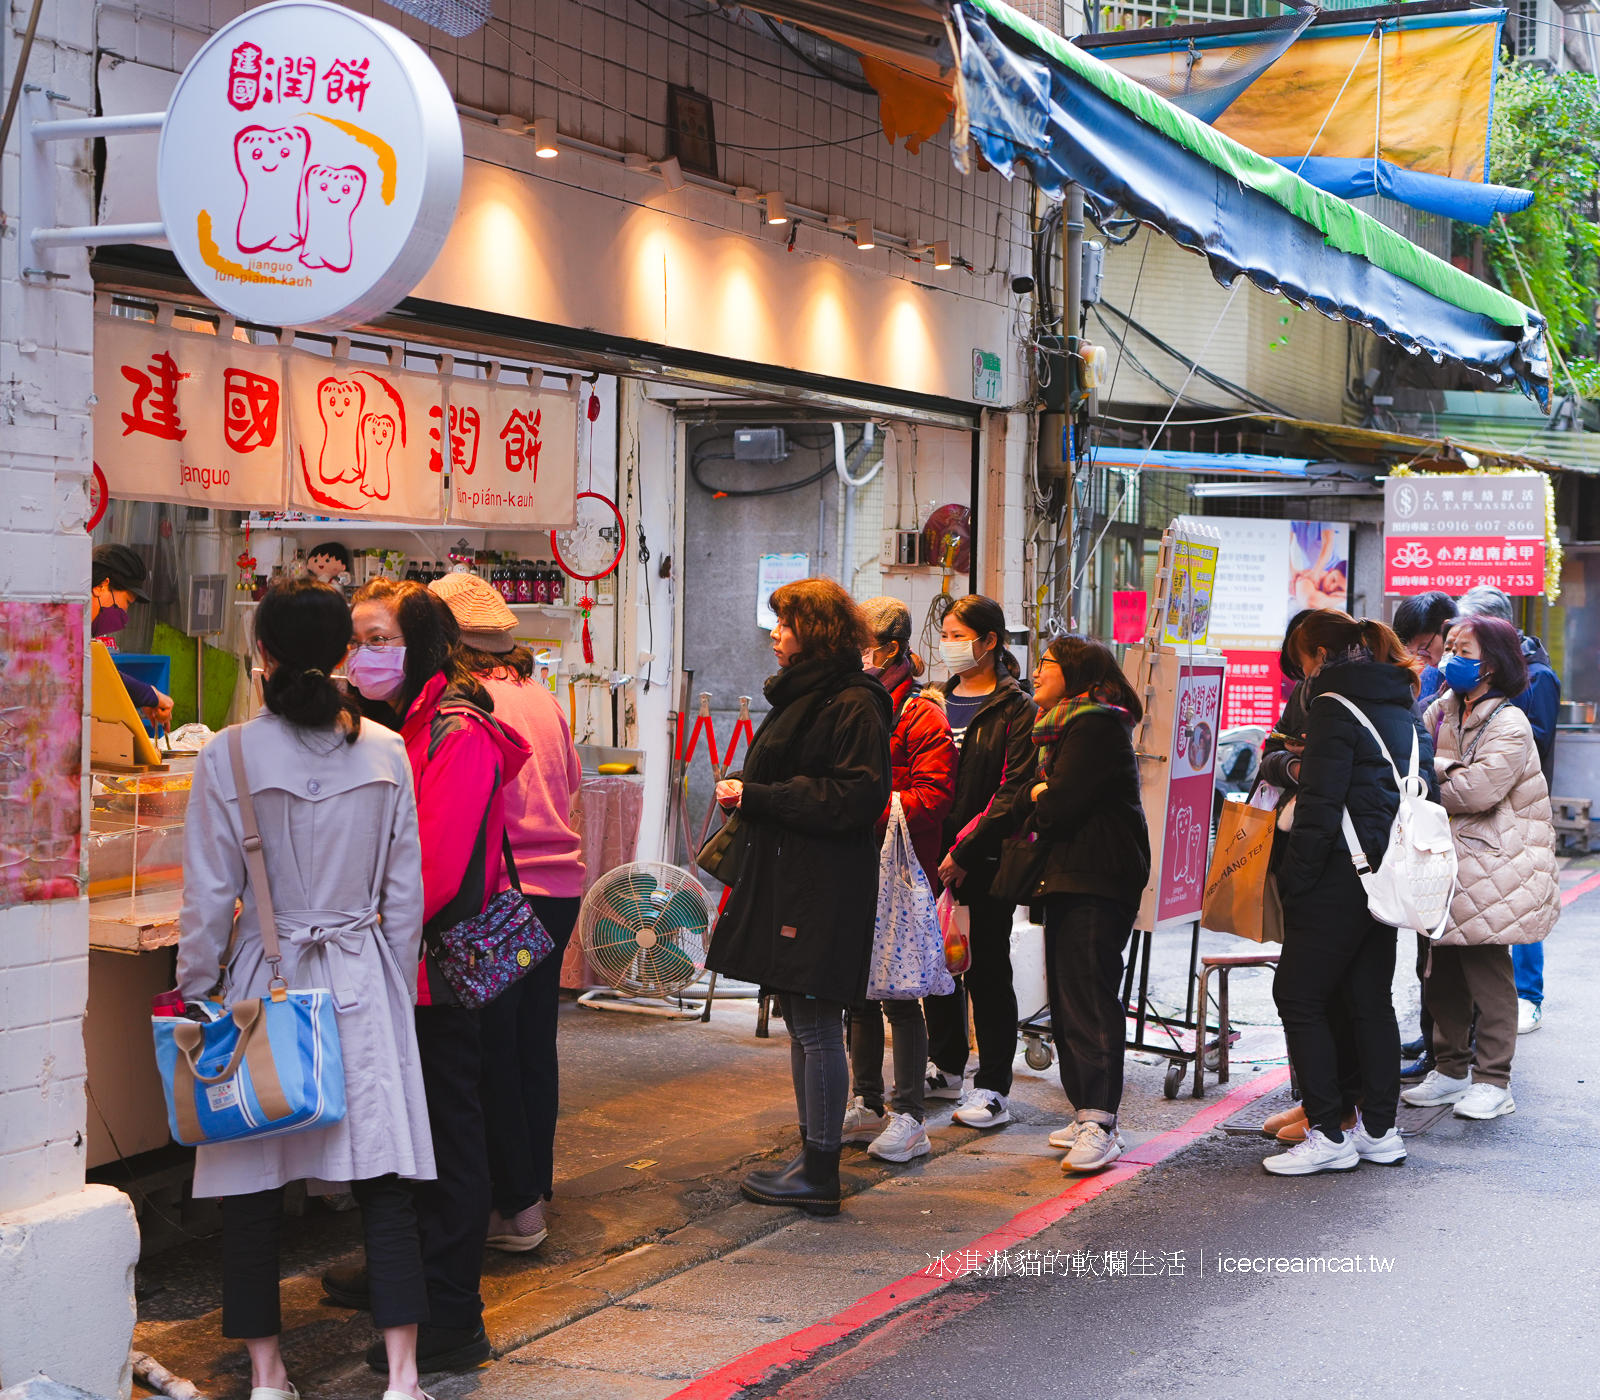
1222,966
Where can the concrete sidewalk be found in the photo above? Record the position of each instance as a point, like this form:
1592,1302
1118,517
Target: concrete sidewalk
660,1119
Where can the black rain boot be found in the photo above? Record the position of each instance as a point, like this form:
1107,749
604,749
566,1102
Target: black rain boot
810,1182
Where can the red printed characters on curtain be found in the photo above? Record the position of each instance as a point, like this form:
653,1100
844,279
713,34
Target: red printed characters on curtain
271,163
329,205
465,429
521,437
361,416
155,399
250,413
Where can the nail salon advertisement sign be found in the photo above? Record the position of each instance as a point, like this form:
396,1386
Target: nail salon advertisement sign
310,166
197,419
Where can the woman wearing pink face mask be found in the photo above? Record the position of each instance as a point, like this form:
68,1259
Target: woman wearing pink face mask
462,758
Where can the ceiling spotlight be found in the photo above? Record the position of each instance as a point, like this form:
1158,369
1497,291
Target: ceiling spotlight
636,160
941,254
671,173
544,138
776,212
865,238
746,195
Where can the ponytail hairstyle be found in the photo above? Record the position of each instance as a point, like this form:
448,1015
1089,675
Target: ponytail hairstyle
432,637
304,627
1089,667
1338,634
986,617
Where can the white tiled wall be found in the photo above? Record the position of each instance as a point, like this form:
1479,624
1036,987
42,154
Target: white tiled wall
45,383
602,70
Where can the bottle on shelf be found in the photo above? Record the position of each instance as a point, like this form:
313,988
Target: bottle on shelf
524,574
557,584
541,582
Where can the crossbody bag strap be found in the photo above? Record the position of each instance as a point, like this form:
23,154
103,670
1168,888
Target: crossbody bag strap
1358,854
255,863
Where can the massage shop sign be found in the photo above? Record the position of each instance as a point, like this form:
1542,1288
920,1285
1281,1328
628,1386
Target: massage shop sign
1453,532
200,419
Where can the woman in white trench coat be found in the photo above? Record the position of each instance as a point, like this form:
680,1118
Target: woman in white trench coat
338,824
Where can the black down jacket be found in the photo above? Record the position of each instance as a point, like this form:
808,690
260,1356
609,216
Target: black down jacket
801,914
1091,813
1343,767
998,764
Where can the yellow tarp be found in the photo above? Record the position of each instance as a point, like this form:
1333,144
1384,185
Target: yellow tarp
1436,89
908,105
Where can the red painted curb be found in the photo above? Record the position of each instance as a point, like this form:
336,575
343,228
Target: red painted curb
757,1365
1582,888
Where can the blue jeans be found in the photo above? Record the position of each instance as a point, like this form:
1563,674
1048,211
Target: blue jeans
1527,965
819,1066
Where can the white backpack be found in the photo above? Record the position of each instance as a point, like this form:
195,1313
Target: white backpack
1417,880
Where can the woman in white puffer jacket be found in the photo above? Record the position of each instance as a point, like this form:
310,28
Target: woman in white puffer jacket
1492,785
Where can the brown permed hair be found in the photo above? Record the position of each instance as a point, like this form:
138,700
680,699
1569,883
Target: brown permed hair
824,617
1500,644
1337,632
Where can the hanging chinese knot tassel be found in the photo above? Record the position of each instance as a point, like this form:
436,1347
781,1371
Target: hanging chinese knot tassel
586,602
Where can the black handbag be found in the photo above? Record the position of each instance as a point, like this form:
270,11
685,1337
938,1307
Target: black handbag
722,856
1019,876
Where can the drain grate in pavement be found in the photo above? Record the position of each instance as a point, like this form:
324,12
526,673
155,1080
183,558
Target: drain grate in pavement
1247,1122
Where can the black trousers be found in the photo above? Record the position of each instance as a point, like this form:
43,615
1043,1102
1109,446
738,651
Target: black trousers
453,1211
521,1079
1084,940
1320,960
994,1003
910,1054
252,1224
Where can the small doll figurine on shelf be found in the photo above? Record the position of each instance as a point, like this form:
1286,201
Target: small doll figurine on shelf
331,563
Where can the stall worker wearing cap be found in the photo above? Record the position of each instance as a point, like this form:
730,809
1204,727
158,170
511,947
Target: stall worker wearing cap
117,579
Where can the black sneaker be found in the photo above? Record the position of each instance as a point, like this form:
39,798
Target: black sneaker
346,1285
939,1085
439,1349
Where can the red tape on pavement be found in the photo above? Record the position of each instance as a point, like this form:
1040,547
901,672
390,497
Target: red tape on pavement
757,1366
1583,888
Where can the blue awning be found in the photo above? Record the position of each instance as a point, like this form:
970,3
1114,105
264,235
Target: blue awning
1214,463
1028,95
1466,200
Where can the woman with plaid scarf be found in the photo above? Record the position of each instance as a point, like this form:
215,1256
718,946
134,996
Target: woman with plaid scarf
1086,806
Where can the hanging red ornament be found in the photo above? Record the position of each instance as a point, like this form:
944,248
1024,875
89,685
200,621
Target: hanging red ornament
586,602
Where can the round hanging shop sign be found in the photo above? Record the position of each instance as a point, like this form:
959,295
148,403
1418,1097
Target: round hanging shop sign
310,166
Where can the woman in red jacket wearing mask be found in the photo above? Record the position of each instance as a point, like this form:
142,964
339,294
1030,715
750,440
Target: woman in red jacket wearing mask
923,756
404,657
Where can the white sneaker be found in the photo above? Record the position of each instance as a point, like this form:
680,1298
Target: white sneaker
1386,1151
1065,1137
1096,1147
1530,1016
524,1231
266,1392
939,1085
1315,1154
902,1140
1436,1089
1486,1101
861,1124
983,1108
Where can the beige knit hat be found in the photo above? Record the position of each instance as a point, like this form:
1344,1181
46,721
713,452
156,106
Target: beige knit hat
479,610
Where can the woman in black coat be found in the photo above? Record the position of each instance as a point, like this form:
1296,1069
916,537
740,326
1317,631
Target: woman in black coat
991,720
1088,811
1331,942
799,919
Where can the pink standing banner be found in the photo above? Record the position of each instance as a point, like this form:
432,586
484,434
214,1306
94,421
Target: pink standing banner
1187,833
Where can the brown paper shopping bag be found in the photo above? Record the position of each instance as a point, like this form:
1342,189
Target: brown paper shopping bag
1241,893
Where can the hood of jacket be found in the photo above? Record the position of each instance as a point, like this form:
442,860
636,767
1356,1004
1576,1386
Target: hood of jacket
1375,682
440,694
1534,650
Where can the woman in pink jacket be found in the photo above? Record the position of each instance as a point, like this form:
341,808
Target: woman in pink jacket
462,758
521,1076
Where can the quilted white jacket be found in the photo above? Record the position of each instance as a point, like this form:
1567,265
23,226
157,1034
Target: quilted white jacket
1491,784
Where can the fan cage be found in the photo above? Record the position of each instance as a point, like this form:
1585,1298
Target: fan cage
644,928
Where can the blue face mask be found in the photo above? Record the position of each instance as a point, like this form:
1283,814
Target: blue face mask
1462,673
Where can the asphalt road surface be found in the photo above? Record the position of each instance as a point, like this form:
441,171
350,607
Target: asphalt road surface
1469,1271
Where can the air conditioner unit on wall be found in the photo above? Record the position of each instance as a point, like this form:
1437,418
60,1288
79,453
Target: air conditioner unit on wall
1537,31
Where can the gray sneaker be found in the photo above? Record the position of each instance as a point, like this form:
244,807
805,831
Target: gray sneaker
862,1124
1436,1089
1095,1148
902,1140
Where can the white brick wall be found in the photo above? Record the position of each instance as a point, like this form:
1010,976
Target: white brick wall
602,70
45,383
